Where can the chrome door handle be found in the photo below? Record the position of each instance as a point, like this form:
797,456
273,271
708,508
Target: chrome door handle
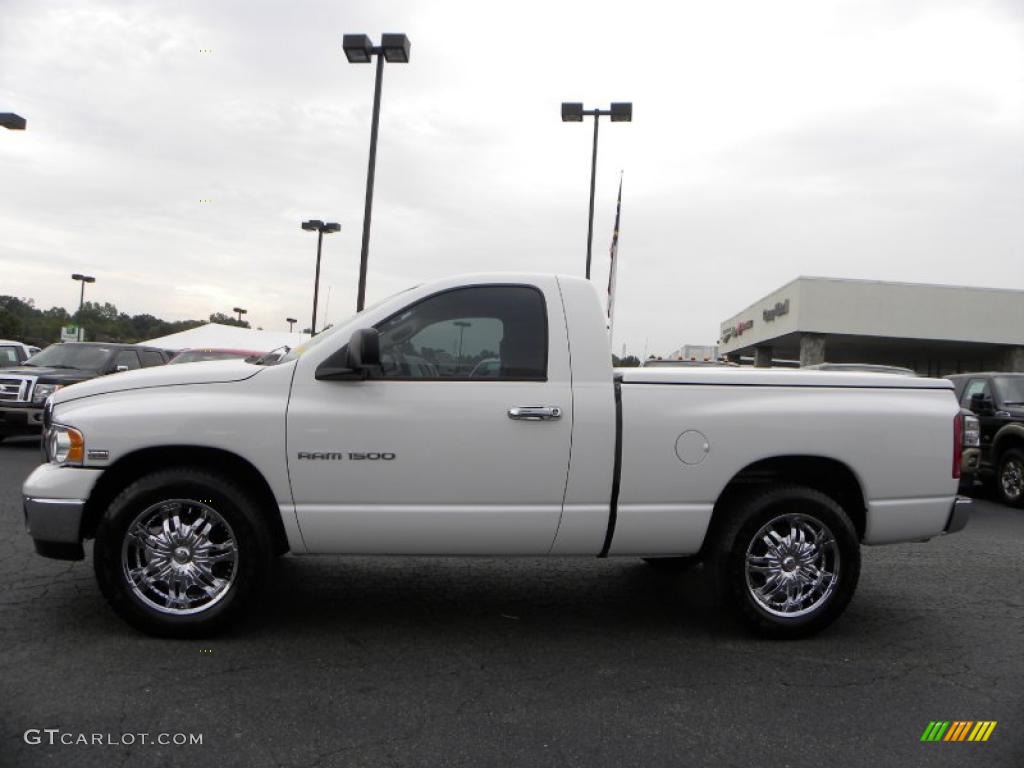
535,412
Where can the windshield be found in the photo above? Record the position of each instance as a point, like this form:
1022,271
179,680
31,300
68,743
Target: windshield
1010,389
8,356
83,357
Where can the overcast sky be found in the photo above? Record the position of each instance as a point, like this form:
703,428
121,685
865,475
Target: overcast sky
877,139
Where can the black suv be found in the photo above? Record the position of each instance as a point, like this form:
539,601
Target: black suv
997,399
24,389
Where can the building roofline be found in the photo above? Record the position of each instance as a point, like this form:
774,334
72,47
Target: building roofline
857,280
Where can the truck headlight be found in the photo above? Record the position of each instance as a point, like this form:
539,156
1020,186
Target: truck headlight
972,432
64,445
43,391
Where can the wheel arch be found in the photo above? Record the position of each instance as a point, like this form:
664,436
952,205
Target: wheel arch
136,464
829,476
1008,436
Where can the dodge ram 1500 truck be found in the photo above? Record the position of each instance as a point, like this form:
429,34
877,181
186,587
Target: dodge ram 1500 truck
385,435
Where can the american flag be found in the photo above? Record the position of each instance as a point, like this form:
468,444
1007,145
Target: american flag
614,262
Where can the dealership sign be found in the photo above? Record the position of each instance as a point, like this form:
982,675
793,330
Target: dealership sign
736,330
781,308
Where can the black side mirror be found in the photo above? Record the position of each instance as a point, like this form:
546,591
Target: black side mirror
980,403
355,360
364,349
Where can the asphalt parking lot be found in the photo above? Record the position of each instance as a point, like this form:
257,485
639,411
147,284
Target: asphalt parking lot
529,662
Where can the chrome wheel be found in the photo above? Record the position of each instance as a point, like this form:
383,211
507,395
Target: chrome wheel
792,565
1012,479
179,556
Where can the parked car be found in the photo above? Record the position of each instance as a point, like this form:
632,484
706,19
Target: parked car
24,388
775,478
997,399
199,355
14,353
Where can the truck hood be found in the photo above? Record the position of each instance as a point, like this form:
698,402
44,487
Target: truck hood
210,372
777,377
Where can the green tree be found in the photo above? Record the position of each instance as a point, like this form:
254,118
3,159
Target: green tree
222,319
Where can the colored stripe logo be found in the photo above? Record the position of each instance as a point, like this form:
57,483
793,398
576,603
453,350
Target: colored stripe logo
958,730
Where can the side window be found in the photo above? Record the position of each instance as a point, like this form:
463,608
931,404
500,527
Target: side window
127,357
494,332
975,387
150,358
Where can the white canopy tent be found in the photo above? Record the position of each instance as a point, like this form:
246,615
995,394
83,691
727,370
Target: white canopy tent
217,336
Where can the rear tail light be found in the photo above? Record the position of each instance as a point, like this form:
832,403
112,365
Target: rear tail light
972,432
958,444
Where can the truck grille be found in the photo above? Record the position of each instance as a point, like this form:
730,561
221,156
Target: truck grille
15,389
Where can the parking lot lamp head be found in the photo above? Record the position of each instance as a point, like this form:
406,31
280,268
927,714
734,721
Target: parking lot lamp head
358,48
622,112
572,112
12,121
396,48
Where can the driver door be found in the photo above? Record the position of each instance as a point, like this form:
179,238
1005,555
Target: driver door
430,454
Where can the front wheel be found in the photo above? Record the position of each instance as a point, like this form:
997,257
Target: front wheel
787,561
1010,478
181,552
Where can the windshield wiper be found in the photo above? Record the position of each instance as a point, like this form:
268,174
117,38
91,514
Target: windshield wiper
65,367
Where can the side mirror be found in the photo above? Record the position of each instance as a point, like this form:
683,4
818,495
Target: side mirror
353,361
980,403
364,349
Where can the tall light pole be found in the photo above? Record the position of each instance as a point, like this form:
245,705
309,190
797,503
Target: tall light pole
291,321
81,297
359,50
12,121
463,325
240,312
573,112
315,225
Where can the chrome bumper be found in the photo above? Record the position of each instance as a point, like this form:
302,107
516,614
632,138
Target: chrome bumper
959,514
55,526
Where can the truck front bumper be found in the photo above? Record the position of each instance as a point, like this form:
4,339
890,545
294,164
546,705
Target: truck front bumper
20,420
959,514
54,500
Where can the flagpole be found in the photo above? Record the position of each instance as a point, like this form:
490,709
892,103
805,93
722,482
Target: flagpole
614,263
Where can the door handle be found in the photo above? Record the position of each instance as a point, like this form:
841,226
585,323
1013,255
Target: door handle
535,412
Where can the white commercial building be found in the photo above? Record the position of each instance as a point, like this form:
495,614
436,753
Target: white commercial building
933,329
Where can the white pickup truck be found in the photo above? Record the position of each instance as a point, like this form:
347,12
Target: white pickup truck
481,416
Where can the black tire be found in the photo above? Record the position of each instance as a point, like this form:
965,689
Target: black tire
673,564
742,527
243,527
1009,482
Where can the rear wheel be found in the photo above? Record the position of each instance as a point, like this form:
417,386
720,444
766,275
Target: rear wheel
787,561
180,553
1010,478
